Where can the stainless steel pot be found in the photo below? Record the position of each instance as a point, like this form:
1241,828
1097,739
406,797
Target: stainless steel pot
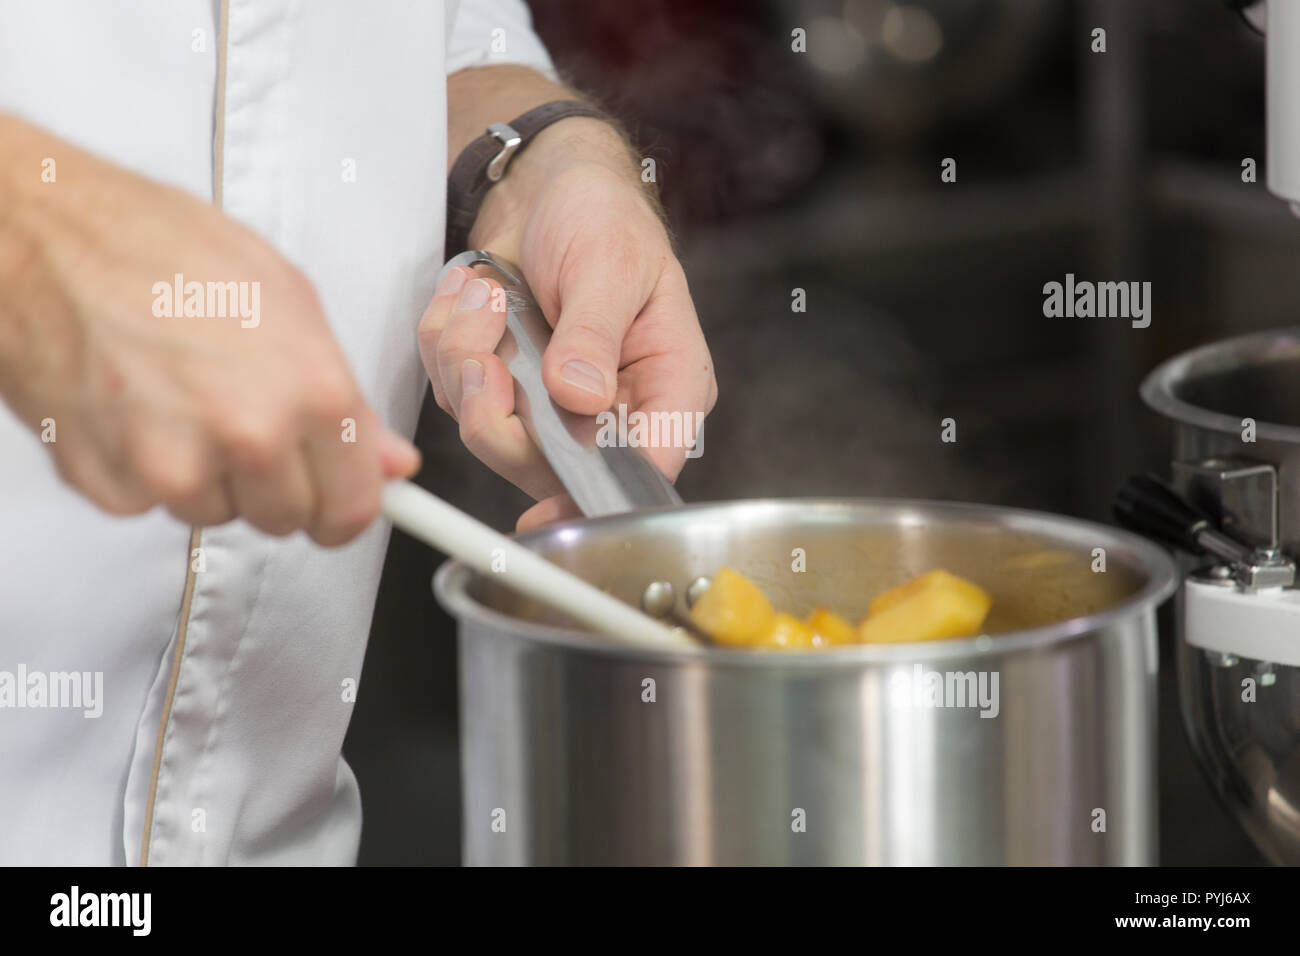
1235,408
577,751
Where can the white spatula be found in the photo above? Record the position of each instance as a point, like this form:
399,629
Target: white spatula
433,521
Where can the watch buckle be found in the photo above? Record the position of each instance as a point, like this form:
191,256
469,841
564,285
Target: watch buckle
510,141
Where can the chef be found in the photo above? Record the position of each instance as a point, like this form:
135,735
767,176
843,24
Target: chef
221,223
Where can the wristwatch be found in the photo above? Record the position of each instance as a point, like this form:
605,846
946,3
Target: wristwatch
484,161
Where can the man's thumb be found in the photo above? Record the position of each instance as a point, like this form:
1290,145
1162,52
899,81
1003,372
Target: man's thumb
400,458
581,364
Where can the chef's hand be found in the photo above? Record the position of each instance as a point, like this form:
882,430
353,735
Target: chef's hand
213,417
572,213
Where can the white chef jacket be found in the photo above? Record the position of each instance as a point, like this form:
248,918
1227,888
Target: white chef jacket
227,691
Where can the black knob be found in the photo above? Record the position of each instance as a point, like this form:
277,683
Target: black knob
1149,506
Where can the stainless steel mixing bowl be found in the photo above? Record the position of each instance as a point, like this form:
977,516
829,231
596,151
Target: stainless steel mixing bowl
1250,748
577,751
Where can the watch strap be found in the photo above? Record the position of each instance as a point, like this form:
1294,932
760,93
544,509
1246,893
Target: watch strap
484,161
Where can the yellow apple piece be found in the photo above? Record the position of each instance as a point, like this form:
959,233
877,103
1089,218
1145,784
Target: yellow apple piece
829,628
733,610
787,632
932,607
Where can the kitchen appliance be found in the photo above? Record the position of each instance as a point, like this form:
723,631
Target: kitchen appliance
1033,743
1233,506
1279,20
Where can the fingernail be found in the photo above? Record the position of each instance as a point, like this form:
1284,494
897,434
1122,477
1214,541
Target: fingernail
471,377
474,295
452,284
584,375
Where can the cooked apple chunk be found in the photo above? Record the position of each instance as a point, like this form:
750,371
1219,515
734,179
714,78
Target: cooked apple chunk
787,632
733,610
937,605
829,628
932,607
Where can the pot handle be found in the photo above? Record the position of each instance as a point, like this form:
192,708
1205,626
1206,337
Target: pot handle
1151,507
603,477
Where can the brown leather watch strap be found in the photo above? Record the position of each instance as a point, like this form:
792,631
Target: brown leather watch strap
484,161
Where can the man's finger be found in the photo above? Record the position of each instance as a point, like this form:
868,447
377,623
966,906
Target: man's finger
85,469
490,429
173,466
432,323
559,508
474,327
671,378
346,476
397,456
599,300
279,498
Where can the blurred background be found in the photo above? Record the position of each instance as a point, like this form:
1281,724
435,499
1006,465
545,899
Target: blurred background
821,171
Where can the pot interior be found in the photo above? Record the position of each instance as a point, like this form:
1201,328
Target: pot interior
1268,392
1253,376
1037,567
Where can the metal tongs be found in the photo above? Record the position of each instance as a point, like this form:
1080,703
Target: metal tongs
603,479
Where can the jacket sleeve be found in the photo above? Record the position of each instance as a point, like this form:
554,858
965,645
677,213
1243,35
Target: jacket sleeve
493,32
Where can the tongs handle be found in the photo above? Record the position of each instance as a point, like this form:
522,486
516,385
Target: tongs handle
602,478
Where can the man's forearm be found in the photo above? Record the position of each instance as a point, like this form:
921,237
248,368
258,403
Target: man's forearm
48,186
493,94
28,227
497,94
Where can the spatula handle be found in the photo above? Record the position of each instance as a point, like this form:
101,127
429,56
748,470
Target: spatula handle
445,527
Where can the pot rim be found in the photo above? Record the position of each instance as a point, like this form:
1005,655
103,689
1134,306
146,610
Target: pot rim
1220,356
450,587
